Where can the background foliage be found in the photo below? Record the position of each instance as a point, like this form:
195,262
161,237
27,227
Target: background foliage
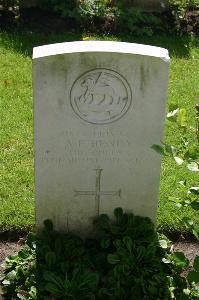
118,15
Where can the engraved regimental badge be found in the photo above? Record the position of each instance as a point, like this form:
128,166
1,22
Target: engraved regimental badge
100,96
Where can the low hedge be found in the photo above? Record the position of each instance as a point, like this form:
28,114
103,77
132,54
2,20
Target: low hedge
116,16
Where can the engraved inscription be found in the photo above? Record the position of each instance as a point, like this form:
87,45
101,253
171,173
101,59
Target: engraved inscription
98,193
100,96
96,145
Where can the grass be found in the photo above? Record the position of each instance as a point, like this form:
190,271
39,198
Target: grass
16,133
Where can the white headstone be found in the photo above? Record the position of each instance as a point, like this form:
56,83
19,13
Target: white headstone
98,109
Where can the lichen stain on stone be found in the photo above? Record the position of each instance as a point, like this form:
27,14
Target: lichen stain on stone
60,103
89,60
144,75
94,60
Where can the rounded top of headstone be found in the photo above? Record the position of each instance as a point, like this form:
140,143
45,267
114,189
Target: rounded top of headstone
100,46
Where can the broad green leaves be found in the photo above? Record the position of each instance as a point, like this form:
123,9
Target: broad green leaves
193,275
163,244
113,259
126,260
180,260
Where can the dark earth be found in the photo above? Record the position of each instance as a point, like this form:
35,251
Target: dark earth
190,249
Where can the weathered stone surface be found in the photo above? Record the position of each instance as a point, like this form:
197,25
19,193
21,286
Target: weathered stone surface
98,109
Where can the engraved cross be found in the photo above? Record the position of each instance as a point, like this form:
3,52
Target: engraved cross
98,193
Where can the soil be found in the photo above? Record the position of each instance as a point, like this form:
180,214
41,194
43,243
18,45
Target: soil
8,248
190,249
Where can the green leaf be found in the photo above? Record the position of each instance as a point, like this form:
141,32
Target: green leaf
104,292
105,243
173,106
53,289
188,221
11,275
183,183
33,292
186,292
195,204
58,245
48,225
186,202
23,254
117,243
118,212
159,149
6,282
193,166
192,152
173,199
50,258
171,150
172,115
31,240
128,243
166,260
182,118
193,276
194,190
178,160
22,295
180,259
53,278
196,264
195,232
163,244
103,222
113,259
90,280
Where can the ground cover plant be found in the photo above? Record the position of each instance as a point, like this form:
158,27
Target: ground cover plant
126,260
186,153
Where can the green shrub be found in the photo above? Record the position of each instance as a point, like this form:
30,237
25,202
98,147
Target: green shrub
126,260
136,22
10,3
116,16
64,8
185,13
105,15
184,4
